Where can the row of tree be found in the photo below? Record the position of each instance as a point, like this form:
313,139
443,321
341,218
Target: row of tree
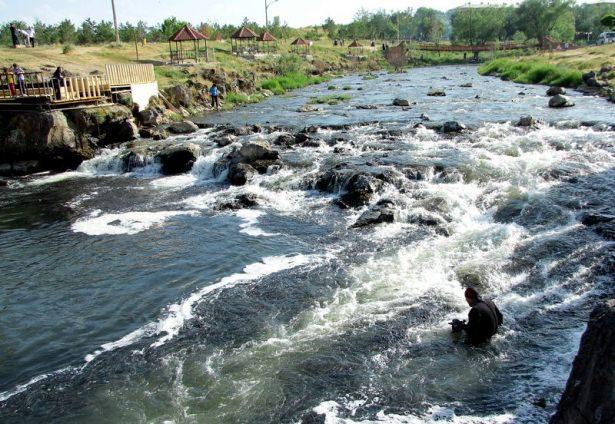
532,19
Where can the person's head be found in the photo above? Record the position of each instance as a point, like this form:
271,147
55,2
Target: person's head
59,69
15,65
472,296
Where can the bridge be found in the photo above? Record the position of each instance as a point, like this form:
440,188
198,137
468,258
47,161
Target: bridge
469,48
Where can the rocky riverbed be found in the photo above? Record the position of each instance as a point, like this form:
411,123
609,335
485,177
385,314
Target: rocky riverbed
284,266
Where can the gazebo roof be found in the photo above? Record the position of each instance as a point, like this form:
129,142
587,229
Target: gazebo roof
299,42
355,44
244,33
187,33
266,36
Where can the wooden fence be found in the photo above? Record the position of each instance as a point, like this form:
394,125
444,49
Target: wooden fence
122,75
56,90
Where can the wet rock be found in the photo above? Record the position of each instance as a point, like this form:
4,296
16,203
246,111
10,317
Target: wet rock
183,127
436,92
151,117
588,76
312,129
466,85
559,101
19,168
366,107
133,159
360,190
286,140
554,91
426,219
602,223
3,183
453,127
526,121
416,173
307,109
225,140
401,102
313,417
242,201
301,137
154,133
240,173
588,397
252,157
257,150
425,117
179,158
313,143
383,212
509,211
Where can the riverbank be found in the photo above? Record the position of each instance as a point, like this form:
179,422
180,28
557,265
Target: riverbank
590,70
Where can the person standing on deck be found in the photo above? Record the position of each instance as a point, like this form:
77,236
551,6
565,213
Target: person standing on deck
10,80
21,79
58,81
214,92
484,319
14,36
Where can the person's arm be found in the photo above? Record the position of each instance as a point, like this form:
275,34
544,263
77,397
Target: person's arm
499,316
471,328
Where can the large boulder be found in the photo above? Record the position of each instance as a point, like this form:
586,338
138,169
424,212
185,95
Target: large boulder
180,95
108,124
589,396
48,137
240,173
243,163
257,150
360,191
526,121
178,158
559,101
436,92
151,117
183,127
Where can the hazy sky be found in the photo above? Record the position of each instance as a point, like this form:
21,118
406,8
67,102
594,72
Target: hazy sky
294,12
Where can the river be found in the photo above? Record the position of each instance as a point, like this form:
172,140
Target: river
129,297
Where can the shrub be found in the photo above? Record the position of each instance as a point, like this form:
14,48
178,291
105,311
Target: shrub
291,81
533,72
68,49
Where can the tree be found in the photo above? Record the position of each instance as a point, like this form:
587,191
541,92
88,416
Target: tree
479,25
66,32
608,21
330,28
169,27
87,32
537,18
564,29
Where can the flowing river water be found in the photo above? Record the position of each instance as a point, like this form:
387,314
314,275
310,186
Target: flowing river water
130,297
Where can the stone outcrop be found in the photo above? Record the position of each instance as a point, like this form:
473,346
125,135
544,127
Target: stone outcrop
453,127
183,127
178,158
436,92
526,121
589,396
107,124
383,212
553,91
401,102
251,158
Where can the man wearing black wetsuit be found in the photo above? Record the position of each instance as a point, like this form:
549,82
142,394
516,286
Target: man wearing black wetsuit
484,318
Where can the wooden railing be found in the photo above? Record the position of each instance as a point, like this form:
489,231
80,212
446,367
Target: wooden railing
56,90
121,75
78,88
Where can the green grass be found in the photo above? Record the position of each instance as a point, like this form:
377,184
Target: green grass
534,71
291,81
331,100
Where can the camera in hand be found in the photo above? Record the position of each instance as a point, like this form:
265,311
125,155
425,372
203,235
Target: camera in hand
457,325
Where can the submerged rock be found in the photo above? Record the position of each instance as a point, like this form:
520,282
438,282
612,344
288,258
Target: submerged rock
559,101
452,127
401,102
588,397
436,92
366,107
178,158
466,85
307,109
553,91
242,201
225,140
526,121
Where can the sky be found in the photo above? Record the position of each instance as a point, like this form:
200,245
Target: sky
296,13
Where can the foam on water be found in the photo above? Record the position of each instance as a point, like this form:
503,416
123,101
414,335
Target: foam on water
123,223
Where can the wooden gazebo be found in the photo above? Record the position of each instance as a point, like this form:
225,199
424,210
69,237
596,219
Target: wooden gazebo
355,47
267,42
300,45
244,39
178,50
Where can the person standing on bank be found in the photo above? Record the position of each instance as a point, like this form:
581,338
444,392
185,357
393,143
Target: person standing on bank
484,318
21,79
214,92
31,35
14,36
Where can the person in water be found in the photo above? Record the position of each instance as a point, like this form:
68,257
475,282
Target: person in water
484,318
213,91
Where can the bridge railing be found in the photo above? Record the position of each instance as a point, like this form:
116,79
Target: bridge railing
35,85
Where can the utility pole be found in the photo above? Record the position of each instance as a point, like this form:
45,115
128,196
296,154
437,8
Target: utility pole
267,4
117,32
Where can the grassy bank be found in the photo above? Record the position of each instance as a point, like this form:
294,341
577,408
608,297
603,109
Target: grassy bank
554,68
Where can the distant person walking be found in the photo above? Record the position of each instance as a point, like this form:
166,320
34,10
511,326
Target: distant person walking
215,94
14,36
21,79
10,80
58,79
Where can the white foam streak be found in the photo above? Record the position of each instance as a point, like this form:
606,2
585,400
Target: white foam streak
123,223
